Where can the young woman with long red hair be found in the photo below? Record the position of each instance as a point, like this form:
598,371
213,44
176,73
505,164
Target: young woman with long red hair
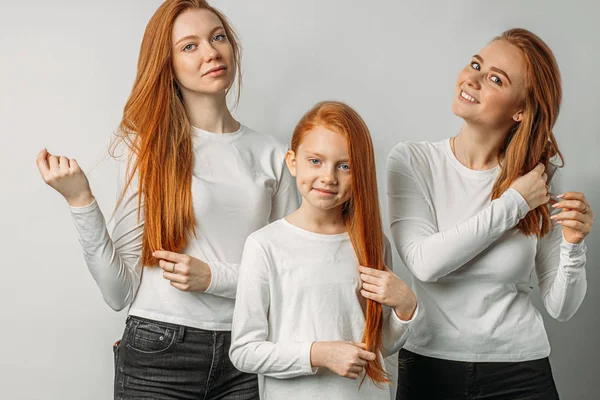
197,183
301,319
471,218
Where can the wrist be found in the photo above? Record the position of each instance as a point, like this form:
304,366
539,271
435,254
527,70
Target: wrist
82,200
316,355
408,311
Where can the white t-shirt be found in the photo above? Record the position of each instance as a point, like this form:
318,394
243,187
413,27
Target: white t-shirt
240,183
472,269
296,287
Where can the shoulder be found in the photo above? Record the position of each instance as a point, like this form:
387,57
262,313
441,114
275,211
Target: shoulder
416,152
264,142
264,236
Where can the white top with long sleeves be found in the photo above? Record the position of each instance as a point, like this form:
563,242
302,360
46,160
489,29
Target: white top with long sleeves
472,269
240,183
296,287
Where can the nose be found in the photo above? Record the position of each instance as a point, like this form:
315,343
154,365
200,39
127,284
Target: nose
474,80
209,52
328,176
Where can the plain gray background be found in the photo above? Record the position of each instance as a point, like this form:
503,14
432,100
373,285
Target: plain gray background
67,68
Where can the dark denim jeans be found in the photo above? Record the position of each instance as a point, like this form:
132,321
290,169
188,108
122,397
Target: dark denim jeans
426,378
160,361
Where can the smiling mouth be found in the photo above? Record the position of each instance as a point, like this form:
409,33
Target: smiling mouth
325,191
468,97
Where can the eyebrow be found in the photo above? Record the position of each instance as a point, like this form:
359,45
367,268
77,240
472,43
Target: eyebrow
498,70
216,28
315,154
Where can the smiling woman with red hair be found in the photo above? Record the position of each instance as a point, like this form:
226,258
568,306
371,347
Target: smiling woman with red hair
197,183
471,219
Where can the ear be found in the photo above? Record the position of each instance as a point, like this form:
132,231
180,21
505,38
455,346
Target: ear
518,117
290,160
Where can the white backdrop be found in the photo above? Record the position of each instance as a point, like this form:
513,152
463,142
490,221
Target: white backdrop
67,68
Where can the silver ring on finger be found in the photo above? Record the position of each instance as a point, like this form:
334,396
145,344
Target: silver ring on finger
586,209
172,268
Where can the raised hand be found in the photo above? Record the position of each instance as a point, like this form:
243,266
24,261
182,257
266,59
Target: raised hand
347,359
66,177
533,187
184,272
576,216
387,288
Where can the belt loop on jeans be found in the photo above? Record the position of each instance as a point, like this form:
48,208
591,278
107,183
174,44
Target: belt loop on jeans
180,333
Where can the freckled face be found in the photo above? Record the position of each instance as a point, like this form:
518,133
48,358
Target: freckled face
321,167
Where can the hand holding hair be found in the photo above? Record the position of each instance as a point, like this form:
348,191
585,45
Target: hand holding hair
576,216
66,177
533,187
184,272
347,359
387,288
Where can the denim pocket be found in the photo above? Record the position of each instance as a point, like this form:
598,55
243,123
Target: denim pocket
149,338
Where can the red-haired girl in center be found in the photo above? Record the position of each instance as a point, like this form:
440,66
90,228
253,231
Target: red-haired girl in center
317,304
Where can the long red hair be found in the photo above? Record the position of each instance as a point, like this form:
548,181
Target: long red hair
531,141
156,129
361,213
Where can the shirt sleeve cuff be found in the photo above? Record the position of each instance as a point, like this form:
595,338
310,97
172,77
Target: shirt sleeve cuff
214,277
572,249
523,207
84,209
403,322
307,368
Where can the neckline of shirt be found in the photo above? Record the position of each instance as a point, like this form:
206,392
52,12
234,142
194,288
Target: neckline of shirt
468,172
224,137
314,235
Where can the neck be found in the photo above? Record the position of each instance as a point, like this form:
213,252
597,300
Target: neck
313,219
209,112
478,148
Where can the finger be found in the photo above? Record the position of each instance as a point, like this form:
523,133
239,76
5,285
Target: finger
370,296
576,225
370,279
351,375
545,177
539,168
175,277
366,355
41,161
569,215
181,286
571,204
355,369
361,362
360,344
63,164
167,266
169,255
371,271
371,288
74,165
53,162
573,196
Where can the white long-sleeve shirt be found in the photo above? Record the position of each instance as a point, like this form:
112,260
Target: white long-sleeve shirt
296,287
471,267
240,183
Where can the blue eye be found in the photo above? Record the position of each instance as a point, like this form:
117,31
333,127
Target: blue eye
220,37
314,161
345,167
189,47
476,66
496,80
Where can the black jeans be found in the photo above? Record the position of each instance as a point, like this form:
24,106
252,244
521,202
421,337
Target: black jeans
426,378
159,361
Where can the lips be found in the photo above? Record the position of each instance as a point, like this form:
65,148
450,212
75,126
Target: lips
468,97
324,191
215,70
